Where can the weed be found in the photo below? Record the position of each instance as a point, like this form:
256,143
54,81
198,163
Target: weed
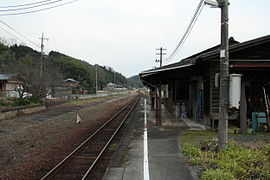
113,147
132,136
236,162
217,174
124,161
196,136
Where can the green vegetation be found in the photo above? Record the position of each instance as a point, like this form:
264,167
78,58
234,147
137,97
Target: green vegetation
217,175
135,81
236,162
124,161
57,66
113,147
19,102
84,72
196,136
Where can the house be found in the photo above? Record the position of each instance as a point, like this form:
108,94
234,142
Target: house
111,86
8,86
65,90
70,86
71,83
193,82
114,87
61,92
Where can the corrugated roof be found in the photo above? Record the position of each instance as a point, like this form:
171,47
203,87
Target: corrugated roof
71,80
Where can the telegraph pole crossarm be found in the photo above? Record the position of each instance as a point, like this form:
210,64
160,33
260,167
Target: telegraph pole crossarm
160,54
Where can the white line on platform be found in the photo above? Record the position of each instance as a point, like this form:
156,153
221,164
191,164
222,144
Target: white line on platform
145,145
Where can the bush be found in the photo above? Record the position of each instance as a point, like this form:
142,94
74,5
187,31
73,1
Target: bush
236,161
190,150
196,155
4,103
24,101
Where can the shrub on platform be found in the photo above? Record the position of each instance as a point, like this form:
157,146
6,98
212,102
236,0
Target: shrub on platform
236,162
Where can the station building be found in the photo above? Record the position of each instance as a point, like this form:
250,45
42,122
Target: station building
190,87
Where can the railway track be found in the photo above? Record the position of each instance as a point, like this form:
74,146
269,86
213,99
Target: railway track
80,163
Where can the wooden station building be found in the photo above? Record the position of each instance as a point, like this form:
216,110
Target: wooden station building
193,83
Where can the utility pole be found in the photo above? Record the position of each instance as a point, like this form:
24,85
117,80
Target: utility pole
42,53
224,78
161,54
158,89
96,81
224,73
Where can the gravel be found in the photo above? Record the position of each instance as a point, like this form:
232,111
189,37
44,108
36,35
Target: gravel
29,148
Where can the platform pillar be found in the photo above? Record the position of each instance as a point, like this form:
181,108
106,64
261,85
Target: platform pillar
158,119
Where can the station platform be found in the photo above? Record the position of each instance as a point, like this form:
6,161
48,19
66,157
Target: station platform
165,160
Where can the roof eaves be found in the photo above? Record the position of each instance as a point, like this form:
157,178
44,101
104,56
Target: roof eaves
181,64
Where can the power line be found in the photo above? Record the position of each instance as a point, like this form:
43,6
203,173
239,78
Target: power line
190,26
176,6
28,12
187,32
183,20
11,34
31,7
19,33
185,7
39,2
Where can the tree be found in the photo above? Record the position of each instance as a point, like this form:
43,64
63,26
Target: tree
26,72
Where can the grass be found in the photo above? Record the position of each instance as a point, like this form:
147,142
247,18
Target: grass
91,100
19,102
85,101
236,162
196,136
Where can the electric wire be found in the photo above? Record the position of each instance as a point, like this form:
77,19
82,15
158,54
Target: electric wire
180,35
187,32
38,10
184,40
177,22
11,34
19,33
21,5
176,6
31,7
183,21
185,7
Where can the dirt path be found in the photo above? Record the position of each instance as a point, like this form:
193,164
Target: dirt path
32,144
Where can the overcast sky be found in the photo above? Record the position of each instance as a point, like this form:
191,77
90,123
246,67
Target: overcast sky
124,34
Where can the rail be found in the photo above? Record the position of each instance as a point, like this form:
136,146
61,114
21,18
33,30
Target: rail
51,174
